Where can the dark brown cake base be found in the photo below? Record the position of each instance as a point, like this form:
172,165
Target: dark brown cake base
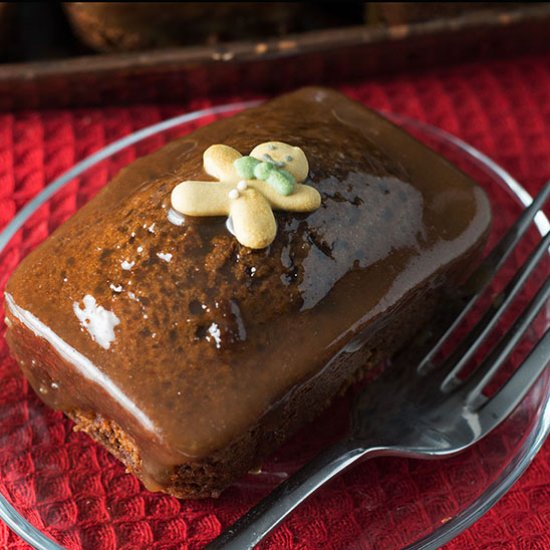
211,475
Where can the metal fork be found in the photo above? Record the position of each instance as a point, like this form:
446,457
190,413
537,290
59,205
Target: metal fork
428,411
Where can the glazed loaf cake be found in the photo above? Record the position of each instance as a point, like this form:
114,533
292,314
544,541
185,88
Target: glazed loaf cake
191,356
127,26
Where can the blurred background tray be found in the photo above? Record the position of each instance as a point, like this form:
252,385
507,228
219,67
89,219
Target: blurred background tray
281,46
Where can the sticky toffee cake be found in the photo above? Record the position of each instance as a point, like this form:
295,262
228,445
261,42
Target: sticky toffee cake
217,294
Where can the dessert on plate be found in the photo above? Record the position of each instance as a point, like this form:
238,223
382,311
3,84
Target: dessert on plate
217,294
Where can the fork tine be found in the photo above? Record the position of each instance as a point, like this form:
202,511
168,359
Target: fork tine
508,397
466,349
482,276
502,350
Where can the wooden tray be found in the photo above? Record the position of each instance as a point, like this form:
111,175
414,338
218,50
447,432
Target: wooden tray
254,68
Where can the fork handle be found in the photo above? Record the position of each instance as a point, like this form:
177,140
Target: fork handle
251,528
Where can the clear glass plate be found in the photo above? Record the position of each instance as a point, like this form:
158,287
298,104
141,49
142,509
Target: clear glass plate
58,485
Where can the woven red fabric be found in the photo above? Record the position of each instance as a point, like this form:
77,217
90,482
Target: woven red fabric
501,107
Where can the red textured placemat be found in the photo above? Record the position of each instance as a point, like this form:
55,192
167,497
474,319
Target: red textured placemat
502,108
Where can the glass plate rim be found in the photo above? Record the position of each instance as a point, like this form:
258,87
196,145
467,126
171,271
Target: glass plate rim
540,431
